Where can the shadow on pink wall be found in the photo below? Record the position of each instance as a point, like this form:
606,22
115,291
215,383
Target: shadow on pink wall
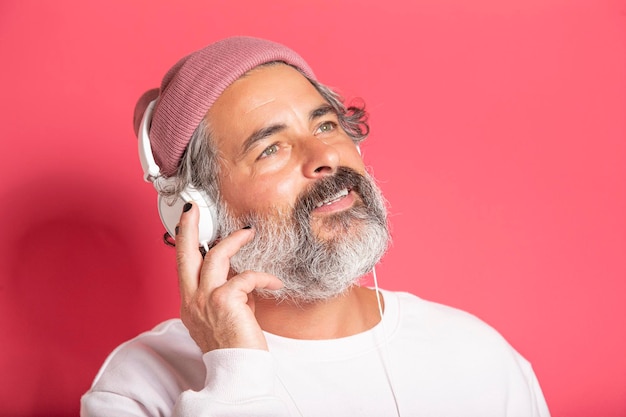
66,299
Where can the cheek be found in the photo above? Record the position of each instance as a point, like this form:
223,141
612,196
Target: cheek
353,159
261,193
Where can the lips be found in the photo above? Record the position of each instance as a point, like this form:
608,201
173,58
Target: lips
341,194
330,192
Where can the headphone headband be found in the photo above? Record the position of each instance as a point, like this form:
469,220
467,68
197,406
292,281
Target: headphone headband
151,170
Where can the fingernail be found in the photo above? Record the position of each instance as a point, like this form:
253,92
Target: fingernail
186,207
176,230
247,227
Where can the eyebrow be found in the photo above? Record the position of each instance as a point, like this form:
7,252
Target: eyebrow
260,134
264,132
321,111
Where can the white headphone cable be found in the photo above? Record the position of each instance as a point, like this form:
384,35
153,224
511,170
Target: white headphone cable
384,353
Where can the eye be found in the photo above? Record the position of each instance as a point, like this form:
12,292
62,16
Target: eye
327,126
270,150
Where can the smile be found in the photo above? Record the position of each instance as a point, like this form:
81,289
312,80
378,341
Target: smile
341,194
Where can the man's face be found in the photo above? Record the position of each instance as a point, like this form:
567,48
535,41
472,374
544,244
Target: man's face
292,173
276,136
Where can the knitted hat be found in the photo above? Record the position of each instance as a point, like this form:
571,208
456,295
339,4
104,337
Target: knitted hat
190,88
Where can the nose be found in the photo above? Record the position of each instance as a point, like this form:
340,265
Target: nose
319,158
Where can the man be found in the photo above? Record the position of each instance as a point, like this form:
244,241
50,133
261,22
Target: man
273,320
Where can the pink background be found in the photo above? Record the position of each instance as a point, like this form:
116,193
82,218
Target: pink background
498,136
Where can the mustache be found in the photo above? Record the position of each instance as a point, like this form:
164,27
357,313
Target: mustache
329,186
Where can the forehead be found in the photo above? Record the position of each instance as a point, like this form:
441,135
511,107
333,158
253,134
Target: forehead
271,94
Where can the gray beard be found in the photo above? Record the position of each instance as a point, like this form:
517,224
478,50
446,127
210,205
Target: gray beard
311,268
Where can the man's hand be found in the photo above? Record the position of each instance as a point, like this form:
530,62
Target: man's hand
218,310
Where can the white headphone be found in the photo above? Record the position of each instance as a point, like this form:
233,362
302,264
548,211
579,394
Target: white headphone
170,208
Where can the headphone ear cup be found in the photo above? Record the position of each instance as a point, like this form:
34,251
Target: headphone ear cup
170,208
170,213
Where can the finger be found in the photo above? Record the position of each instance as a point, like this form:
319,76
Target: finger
248,281
188,258
237,290
216,268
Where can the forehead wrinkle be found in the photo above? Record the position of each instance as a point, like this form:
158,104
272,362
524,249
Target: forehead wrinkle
256,106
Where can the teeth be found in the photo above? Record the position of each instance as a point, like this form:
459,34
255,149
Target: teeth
340,194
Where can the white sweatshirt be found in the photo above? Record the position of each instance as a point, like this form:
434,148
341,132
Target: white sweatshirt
428,359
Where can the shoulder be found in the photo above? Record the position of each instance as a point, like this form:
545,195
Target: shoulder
445,327
441,346
432,316
166,353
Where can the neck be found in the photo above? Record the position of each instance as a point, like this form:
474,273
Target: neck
342,316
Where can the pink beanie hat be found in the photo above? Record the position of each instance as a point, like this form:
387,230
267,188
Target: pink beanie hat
190,88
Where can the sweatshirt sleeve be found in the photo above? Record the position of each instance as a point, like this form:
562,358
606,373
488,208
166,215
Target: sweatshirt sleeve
238,382
163,373
541,407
